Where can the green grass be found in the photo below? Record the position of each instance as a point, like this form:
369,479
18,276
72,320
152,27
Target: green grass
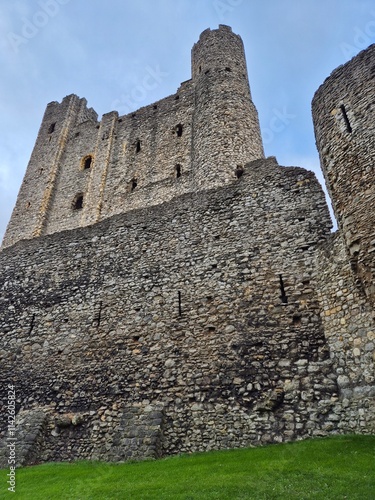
334,468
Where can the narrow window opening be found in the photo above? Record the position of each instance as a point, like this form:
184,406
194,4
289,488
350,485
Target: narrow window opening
211,328
138,146
98,315
179,304
87,162
200,69
346,119
178,171
133,184
283,297
78,202
179,130
296,320
52,128
32,324
239,171
227,69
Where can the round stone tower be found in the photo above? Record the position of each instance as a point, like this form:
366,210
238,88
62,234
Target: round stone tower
226,132
343,112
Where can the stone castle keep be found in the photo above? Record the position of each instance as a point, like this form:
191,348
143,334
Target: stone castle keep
165,288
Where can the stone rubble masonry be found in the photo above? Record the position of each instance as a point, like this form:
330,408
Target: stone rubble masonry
207,311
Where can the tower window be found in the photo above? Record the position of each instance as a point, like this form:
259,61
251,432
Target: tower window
51,128
133,184
78,202
179,130
239,171
138,146
283,296
178,171
179,304
87,162
346,119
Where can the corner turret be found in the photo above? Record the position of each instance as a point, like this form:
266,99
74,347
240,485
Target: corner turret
343,113
225,127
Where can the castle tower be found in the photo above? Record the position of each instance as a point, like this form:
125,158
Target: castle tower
343,113
82,171
33,206
225,124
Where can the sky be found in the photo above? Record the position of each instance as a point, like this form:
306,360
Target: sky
105,50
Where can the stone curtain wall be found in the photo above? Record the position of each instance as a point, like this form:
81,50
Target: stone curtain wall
189,141
348,322
181,311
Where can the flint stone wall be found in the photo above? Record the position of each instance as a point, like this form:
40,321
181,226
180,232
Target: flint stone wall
179,307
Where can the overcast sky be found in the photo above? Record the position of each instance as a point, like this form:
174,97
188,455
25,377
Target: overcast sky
103,50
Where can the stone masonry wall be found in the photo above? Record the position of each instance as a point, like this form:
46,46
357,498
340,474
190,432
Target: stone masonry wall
343,113
202,307
349,328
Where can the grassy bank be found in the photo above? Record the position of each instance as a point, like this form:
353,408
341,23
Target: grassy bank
333,468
